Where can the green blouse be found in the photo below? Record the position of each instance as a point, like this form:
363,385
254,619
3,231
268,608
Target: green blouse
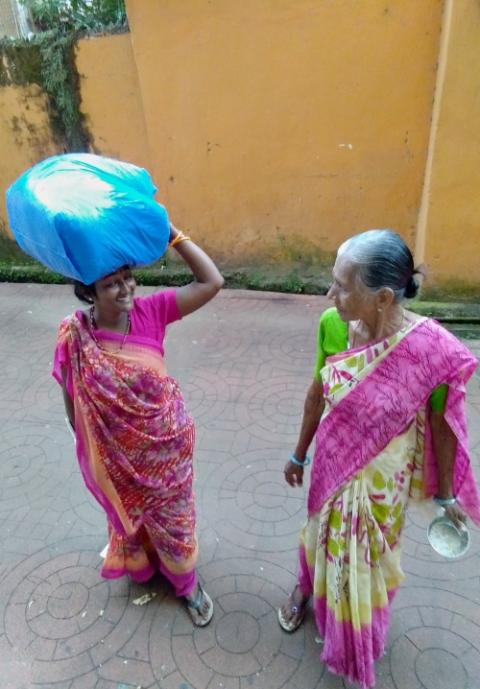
332,338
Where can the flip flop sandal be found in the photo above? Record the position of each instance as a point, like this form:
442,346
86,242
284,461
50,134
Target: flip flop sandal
294,623
194,608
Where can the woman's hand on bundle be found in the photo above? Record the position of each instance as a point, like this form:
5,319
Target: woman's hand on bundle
293,474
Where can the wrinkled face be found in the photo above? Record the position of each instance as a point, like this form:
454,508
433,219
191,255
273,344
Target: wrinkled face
114,293
353,301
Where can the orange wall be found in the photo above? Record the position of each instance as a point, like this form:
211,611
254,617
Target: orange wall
280,124
284,122
25,135
452,242
111,100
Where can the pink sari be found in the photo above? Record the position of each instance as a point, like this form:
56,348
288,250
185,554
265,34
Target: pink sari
134,441
373,452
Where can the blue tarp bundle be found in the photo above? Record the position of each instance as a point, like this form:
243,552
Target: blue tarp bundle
85,216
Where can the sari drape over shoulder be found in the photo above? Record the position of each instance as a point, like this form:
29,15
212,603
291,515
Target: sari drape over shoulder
134,441
373,452
383,398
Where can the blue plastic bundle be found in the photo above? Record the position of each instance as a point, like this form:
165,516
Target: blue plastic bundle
85,216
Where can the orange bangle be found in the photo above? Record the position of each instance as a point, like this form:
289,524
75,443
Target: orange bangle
179,238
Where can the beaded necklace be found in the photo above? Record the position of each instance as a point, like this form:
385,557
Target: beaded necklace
93,327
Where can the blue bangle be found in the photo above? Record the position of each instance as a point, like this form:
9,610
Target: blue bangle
444,502
305,463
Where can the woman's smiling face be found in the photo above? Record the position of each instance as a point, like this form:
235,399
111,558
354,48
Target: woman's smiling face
115,292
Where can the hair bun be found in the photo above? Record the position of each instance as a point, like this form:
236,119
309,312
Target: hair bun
411,288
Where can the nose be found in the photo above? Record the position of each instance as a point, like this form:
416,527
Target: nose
123,287
331,292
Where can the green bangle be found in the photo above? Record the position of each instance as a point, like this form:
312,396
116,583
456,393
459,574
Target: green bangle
305,463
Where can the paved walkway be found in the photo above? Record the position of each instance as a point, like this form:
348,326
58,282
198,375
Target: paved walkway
244,363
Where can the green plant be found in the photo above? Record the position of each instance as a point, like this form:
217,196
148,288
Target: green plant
47,58
60,81
76,15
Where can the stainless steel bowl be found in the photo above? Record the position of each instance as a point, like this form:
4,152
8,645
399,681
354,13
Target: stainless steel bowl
448,539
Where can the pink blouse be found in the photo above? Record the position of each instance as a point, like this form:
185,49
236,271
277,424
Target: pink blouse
149,318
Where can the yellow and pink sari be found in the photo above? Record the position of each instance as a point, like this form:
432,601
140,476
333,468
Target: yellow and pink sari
134,441
374,452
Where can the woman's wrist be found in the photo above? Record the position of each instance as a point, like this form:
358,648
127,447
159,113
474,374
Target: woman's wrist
444,501
173,233
303,462
444,489
178,238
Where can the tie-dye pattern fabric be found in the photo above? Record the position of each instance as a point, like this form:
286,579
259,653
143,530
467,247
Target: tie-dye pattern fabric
373,452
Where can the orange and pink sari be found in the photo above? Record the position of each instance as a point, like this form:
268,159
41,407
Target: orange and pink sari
134,441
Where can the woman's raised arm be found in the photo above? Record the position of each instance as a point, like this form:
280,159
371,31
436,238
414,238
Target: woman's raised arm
208,279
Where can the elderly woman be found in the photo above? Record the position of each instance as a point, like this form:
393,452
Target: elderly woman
387,408
134,437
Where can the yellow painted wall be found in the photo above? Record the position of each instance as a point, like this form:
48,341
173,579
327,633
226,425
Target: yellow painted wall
452,246
111,99
277,124
25,135
284,121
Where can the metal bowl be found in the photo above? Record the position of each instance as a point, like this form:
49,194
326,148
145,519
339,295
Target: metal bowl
447,539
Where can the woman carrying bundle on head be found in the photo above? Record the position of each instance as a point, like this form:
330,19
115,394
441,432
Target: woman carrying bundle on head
387,407
134,436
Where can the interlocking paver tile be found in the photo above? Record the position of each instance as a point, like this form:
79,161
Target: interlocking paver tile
244,364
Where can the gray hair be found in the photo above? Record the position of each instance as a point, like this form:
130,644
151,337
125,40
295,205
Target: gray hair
384,261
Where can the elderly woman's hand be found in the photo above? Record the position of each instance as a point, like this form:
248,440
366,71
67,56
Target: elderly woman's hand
456,515
293,474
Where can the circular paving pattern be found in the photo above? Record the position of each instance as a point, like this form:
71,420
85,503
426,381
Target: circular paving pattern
293,352
272,409
32,465
249,360
16,373
435,640
223,343
243,643
87,510
42,401
253,500
206,395
69,619
449,671
419,558
237,632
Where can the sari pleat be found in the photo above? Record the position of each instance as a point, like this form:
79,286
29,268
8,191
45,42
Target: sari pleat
371,457
135,444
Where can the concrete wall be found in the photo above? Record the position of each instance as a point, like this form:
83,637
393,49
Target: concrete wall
278,123
451,238
277,128
111,98
25,135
